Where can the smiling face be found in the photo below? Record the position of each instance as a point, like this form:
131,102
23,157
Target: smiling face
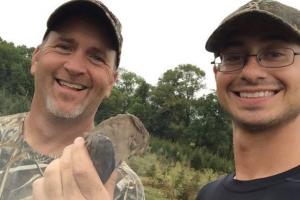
260,98
73,70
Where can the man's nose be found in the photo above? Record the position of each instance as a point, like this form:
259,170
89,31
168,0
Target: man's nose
76,64
252,69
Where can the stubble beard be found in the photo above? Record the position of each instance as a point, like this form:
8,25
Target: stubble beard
52,107
267,124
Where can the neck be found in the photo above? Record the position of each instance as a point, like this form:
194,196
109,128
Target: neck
48,134
266,153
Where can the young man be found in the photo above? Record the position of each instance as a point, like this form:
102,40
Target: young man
257,67
43,155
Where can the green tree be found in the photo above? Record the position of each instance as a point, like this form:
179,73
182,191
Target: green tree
130,94
212,127
173,100
16,83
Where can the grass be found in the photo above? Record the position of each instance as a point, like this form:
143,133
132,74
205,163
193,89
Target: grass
154,194
165,180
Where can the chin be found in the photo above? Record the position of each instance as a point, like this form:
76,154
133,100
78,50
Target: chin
262,125
60,111
66,115
254,126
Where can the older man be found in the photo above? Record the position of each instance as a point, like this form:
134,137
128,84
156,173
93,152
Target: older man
74,69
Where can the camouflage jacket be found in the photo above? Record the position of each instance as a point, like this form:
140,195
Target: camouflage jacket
20,165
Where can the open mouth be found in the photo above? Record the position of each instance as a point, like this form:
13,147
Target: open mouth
73,86
257,94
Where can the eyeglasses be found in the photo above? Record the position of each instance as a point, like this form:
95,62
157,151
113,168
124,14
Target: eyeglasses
269,58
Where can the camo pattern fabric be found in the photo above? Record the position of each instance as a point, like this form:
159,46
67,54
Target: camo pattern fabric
20,165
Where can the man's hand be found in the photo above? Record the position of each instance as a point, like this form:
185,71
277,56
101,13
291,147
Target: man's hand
73,177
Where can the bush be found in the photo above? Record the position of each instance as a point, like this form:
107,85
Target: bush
11,104
174,180
198,158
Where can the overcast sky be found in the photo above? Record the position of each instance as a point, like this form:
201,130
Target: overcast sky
158,34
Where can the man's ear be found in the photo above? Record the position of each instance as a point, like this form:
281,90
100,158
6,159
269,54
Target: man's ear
215,71
114,80
115,76
34,60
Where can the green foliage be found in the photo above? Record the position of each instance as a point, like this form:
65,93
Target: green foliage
176,171
152,193
15,64
130,95
13,103
197,158
16,83
211,128
170,180
202,158
173,100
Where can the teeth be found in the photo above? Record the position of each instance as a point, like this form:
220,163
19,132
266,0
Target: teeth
70,85
256,94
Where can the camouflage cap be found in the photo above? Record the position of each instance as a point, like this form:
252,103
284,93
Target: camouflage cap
71,8
265,11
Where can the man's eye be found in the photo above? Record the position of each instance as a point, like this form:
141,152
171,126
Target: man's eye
63,48
97,59
273,54
232,58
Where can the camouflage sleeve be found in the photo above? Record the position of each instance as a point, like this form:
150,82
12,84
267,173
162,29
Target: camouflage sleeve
129,185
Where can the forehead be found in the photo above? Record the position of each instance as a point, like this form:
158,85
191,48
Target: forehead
249,41
258,40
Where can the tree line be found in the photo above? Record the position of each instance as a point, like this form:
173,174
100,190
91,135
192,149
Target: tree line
173,110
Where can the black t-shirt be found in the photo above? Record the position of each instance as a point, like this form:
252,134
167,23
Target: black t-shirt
283,186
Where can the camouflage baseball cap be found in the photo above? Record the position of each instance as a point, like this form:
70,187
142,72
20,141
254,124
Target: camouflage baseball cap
263,11
73,7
